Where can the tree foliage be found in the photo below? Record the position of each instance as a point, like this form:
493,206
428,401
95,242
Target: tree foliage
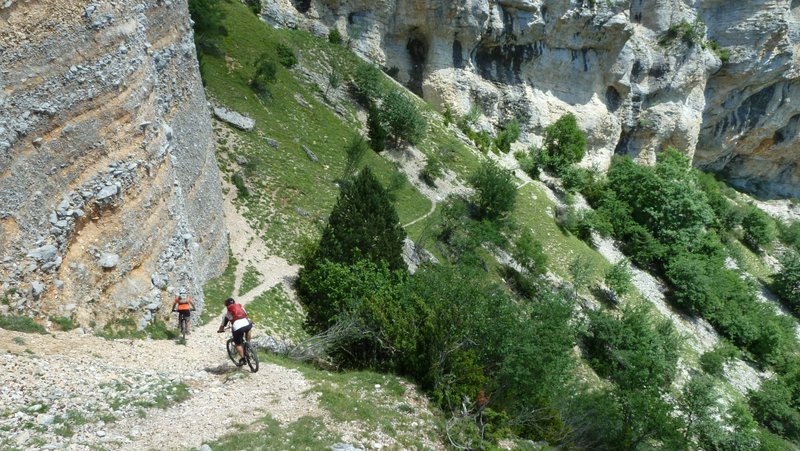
564,142
786,282
495,191
362,225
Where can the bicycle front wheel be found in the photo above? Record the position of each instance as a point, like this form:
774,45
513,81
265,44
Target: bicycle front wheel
232,352
251,356
184,326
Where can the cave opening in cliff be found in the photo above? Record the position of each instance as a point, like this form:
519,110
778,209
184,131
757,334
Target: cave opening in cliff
418,53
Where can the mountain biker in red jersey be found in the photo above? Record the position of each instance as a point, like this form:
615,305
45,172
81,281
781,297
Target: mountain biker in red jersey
240,324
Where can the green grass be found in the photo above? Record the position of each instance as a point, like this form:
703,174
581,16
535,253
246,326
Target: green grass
275,313
218,289
289,193
533,209
307,433
369,400
250,279
125,327
21,324
63,322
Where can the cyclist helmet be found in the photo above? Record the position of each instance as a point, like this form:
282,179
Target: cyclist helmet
229,301
182,291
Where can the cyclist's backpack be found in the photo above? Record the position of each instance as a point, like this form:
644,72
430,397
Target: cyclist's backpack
237,311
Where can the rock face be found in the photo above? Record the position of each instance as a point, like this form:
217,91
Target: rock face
109,190
713,78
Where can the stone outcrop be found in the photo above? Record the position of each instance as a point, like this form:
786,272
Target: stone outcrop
109,191
713,78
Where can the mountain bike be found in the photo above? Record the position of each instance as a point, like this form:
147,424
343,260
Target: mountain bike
250,354
183,323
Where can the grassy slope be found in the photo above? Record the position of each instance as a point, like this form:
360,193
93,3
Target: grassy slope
284,180
289,192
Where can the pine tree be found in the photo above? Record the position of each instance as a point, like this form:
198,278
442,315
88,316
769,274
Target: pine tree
363,226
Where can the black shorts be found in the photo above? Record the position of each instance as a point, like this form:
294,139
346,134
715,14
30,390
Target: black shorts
184,314
238,335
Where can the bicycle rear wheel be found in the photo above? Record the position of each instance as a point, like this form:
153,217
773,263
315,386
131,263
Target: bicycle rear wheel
251,356
232,352
183,324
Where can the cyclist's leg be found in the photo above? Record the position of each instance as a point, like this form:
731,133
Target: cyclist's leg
238,339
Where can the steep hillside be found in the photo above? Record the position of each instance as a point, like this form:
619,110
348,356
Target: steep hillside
109,191
640,76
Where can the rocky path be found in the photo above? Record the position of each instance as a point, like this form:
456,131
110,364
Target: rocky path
73,390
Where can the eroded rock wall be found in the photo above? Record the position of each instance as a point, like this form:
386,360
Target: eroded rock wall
109,191
720,87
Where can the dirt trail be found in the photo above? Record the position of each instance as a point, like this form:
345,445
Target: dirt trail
94,376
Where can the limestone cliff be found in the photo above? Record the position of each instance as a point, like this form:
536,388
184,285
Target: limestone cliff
109,191
714,78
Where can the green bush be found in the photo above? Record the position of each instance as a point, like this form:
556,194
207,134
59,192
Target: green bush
402,117
255,6
355,151
759,228
507,136
564,143
207,16
690,34
713,362
286,55
21,324
786,283
618,278
335,36
495,191
433,169
776,407
266,73
63,322
529,253
241,187
367,84
376,130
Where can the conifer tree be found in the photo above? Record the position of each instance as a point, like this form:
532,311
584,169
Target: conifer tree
363,226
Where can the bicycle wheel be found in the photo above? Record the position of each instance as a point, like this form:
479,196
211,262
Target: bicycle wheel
183,324
232,352
251,356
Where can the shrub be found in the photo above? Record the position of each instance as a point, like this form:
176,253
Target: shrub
495,191
575,179
774,407
21,324
286,55
507,136
432,170
335,36
241,187
376,130
266,73
255,6
759,228
786,282
529,253
63,322
713,362
564,142
403,120
355,151
618,278
635,351
207,16
367,84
